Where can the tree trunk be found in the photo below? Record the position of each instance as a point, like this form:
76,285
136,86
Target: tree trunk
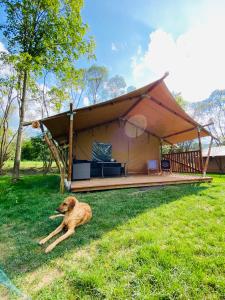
16,167
5,127
3,153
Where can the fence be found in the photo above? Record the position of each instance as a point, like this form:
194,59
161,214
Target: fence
185,162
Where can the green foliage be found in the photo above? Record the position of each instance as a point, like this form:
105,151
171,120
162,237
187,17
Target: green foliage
161,243
27,150
46,34
212,110
116,86
43,36
92,83
58,97
35,149
180,100
74,85
99,88
95,77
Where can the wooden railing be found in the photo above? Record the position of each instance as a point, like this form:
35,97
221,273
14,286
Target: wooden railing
185,162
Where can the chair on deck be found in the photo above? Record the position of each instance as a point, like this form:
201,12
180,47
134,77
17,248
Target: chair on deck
166,166
153,166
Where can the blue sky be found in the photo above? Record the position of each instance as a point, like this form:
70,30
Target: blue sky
143,39
112,23
127,24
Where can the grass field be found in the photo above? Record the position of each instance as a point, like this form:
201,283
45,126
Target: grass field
27,167
163,243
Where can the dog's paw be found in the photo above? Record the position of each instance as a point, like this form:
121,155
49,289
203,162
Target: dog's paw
41,242
52,217
49,249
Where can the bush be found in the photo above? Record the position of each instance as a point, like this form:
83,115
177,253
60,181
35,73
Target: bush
35,149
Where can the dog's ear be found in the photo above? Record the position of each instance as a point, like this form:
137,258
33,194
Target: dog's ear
72,202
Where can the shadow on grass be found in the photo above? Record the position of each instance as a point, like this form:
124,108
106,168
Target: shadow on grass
26,206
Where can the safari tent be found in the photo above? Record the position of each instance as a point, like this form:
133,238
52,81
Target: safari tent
216,159
135,125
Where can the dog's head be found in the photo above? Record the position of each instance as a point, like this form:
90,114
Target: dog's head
67,204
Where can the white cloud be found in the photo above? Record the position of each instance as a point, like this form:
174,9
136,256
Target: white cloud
2,47
86,101
195,60
114,47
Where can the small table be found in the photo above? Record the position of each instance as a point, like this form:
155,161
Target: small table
108,164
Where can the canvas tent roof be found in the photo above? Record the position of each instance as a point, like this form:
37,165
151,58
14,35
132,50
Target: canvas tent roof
151,107
215,151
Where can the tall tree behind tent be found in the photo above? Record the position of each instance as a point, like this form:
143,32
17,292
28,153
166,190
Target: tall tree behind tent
76,87
43,35
187,145
131,88
212,110
95,77
116,86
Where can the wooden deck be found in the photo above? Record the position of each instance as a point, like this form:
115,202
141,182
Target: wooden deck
97,184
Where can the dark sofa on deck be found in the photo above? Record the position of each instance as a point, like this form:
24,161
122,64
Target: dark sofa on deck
101,165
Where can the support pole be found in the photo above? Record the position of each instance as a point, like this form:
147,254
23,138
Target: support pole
200,149
160,168
207,159
56,156
70,158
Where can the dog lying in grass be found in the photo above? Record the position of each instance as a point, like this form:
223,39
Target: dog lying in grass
75,213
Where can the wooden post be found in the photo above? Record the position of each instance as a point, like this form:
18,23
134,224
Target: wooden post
70,158
207,159
160,169
56,156
200,149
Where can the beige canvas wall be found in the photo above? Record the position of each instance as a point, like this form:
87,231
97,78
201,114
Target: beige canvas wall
129,144
216,164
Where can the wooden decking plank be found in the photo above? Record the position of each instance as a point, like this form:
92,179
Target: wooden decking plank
134,181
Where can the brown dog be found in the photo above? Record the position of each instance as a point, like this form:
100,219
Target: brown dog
75,213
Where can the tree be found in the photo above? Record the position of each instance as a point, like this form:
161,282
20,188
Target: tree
180,100
95,77
46,100
40,96
74,87
116,86
57,96
8,96
43,35
186,145
131,88
35,149
211,111
27,150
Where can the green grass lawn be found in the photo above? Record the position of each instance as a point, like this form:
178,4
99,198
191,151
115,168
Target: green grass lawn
27,167
163,243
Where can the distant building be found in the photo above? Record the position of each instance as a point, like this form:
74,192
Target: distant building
216,160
